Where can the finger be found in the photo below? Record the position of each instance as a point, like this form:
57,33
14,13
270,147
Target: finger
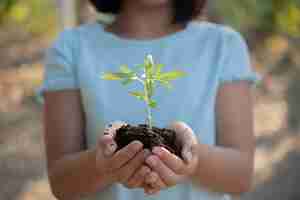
189,145
133,165
186,151
107,145
186,137
155,181
193,163
125,154
182,129
151,191
170,160
177,126
138,178
154,184
166,174
111,128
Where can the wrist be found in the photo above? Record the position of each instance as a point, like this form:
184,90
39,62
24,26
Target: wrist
195,165
101,174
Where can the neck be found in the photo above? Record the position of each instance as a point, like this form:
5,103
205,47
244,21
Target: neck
136,21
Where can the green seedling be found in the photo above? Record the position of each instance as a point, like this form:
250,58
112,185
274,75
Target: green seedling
149,75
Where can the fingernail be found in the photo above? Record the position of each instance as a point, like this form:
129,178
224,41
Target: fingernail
188,155
152,179
110,148
113,147
146,152
106,133
137,145
151,192
107,152
152,161
157,151
148,193
146,170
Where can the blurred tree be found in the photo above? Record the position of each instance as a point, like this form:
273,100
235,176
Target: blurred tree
211,12
266,16
34,16
5,6
288,20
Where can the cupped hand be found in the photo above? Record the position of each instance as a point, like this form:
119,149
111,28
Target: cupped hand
126,166
167,168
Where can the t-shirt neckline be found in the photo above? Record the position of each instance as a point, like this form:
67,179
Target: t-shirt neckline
131,41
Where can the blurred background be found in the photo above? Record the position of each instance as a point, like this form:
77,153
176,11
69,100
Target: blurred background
272,29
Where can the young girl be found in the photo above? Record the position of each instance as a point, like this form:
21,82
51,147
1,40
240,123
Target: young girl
210,109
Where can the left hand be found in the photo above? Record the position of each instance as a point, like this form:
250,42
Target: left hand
133,174
167,168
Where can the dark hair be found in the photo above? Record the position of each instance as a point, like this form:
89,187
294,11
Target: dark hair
184,10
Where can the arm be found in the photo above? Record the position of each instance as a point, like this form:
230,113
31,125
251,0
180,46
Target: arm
74,171
229,166
226,167
71,168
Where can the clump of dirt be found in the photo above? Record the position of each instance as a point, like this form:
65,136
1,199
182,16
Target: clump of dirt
149,137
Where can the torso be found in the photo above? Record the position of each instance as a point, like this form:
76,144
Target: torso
191,100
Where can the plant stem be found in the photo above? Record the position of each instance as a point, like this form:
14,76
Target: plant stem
149,112
147,98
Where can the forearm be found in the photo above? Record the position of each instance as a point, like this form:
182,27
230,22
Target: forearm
224,169
76,175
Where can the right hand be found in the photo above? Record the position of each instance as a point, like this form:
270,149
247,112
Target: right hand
126,166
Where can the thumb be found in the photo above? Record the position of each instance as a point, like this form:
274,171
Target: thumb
107,142
187,152
107,145
111,129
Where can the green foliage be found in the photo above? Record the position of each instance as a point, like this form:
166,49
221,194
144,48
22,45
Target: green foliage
138,95
266,16
169,76
288,20
5,7
151,74
34,16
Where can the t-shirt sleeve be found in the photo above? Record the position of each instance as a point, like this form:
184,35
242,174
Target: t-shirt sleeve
59,65
236,64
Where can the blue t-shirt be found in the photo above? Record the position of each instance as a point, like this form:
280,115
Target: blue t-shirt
210,54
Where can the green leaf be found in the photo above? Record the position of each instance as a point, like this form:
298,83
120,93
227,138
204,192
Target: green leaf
118,76
166,84
127,81
149,67
147,64
138,95
150,87
172,75
111,76
139,67
125,69
158,69
152,104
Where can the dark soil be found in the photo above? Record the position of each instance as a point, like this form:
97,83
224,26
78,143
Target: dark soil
149,137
